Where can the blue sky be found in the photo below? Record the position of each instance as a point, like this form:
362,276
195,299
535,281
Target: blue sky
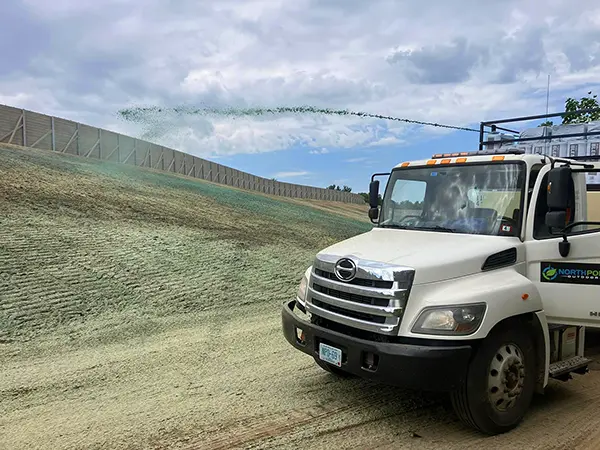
343,167
456,63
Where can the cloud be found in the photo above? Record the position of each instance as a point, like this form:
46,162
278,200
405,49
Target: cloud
499,58
440,63
356,160
321,151
454,62
290,174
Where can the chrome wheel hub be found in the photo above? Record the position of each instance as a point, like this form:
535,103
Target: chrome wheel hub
506,377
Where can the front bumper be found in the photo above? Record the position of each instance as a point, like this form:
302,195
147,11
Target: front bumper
413,365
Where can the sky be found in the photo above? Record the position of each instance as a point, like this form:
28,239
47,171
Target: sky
453,62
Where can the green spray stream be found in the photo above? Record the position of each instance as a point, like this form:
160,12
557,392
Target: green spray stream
144,114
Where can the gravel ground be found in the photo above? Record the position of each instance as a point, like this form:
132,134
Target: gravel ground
224,381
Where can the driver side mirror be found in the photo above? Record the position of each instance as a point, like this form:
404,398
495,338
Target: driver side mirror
556,219
559,192
559,188
374,200
374,194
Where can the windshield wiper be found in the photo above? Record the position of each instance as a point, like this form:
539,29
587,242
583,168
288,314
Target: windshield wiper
400,227
407,227
436,228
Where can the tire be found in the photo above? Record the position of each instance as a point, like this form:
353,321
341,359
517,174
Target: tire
333,369
504,361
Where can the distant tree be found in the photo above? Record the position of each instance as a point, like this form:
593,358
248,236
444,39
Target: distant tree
573,105
336,188
347,189
584,103
365,196
407,204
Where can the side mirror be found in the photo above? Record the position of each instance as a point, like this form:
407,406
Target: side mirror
373,213
556,219
559,188
374,194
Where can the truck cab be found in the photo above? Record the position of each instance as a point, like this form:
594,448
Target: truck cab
478,279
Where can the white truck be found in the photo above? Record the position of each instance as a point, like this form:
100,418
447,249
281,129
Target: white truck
478,279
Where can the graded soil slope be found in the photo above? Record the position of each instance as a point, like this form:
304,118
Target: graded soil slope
142,310
82,238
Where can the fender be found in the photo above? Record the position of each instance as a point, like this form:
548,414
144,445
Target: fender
542,337
506,292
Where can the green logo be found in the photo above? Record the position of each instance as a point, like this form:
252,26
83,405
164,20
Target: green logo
549,273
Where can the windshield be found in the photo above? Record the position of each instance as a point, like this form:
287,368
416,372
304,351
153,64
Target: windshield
474,199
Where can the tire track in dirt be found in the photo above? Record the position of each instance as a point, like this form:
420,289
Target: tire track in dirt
565,417
253,429
192,390
388,418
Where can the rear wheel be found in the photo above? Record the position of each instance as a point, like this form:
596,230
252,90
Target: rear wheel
500,382
332,369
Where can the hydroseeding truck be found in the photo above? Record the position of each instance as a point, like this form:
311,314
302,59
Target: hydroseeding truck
478,279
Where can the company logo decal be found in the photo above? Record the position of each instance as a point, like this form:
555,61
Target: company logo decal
570,273
550,273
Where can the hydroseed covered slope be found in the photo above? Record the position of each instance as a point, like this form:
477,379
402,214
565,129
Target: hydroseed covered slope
81,238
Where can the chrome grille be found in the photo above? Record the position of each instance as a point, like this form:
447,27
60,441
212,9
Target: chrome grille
348,312
350,296
357,281
374,300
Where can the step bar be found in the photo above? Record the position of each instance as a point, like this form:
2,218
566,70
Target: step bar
577,364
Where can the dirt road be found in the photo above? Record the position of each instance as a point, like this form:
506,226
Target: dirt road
223,381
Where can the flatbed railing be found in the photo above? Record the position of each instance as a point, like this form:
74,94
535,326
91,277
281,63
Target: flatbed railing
492,126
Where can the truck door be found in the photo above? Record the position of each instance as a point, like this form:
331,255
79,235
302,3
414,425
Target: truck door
569,285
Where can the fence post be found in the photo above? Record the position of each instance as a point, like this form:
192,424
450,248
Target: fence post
77,139
53,135
24,129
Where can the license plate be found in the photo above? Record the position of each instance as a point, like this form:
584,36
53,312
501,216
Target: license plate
330,354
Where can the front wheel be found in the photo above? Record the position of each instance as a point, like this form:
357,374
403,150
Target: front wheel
500,382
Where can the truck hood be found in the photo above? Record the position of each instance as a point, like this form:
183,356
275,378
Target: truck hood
435,256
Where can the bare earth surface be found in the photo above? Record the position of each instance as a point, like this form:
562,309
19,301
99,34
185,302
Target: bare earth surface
230,381
142,311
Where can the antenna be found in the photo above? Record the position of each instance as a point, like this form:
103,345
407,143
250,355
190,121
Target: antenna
548,94
547,103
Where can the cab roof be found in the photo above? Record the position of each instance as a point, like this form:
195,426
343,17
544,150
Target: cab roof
477,156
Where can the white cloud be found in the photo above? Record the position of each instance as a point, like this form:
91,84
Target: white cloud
388,140
322,151
357,160
290,174
450,62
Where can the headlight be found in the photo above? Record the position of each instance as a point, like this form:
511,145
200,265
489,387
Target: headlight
450,320
302,290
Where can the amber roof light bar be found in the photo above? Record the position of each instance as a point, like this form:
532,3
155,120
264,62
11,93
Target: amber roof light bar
479,153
